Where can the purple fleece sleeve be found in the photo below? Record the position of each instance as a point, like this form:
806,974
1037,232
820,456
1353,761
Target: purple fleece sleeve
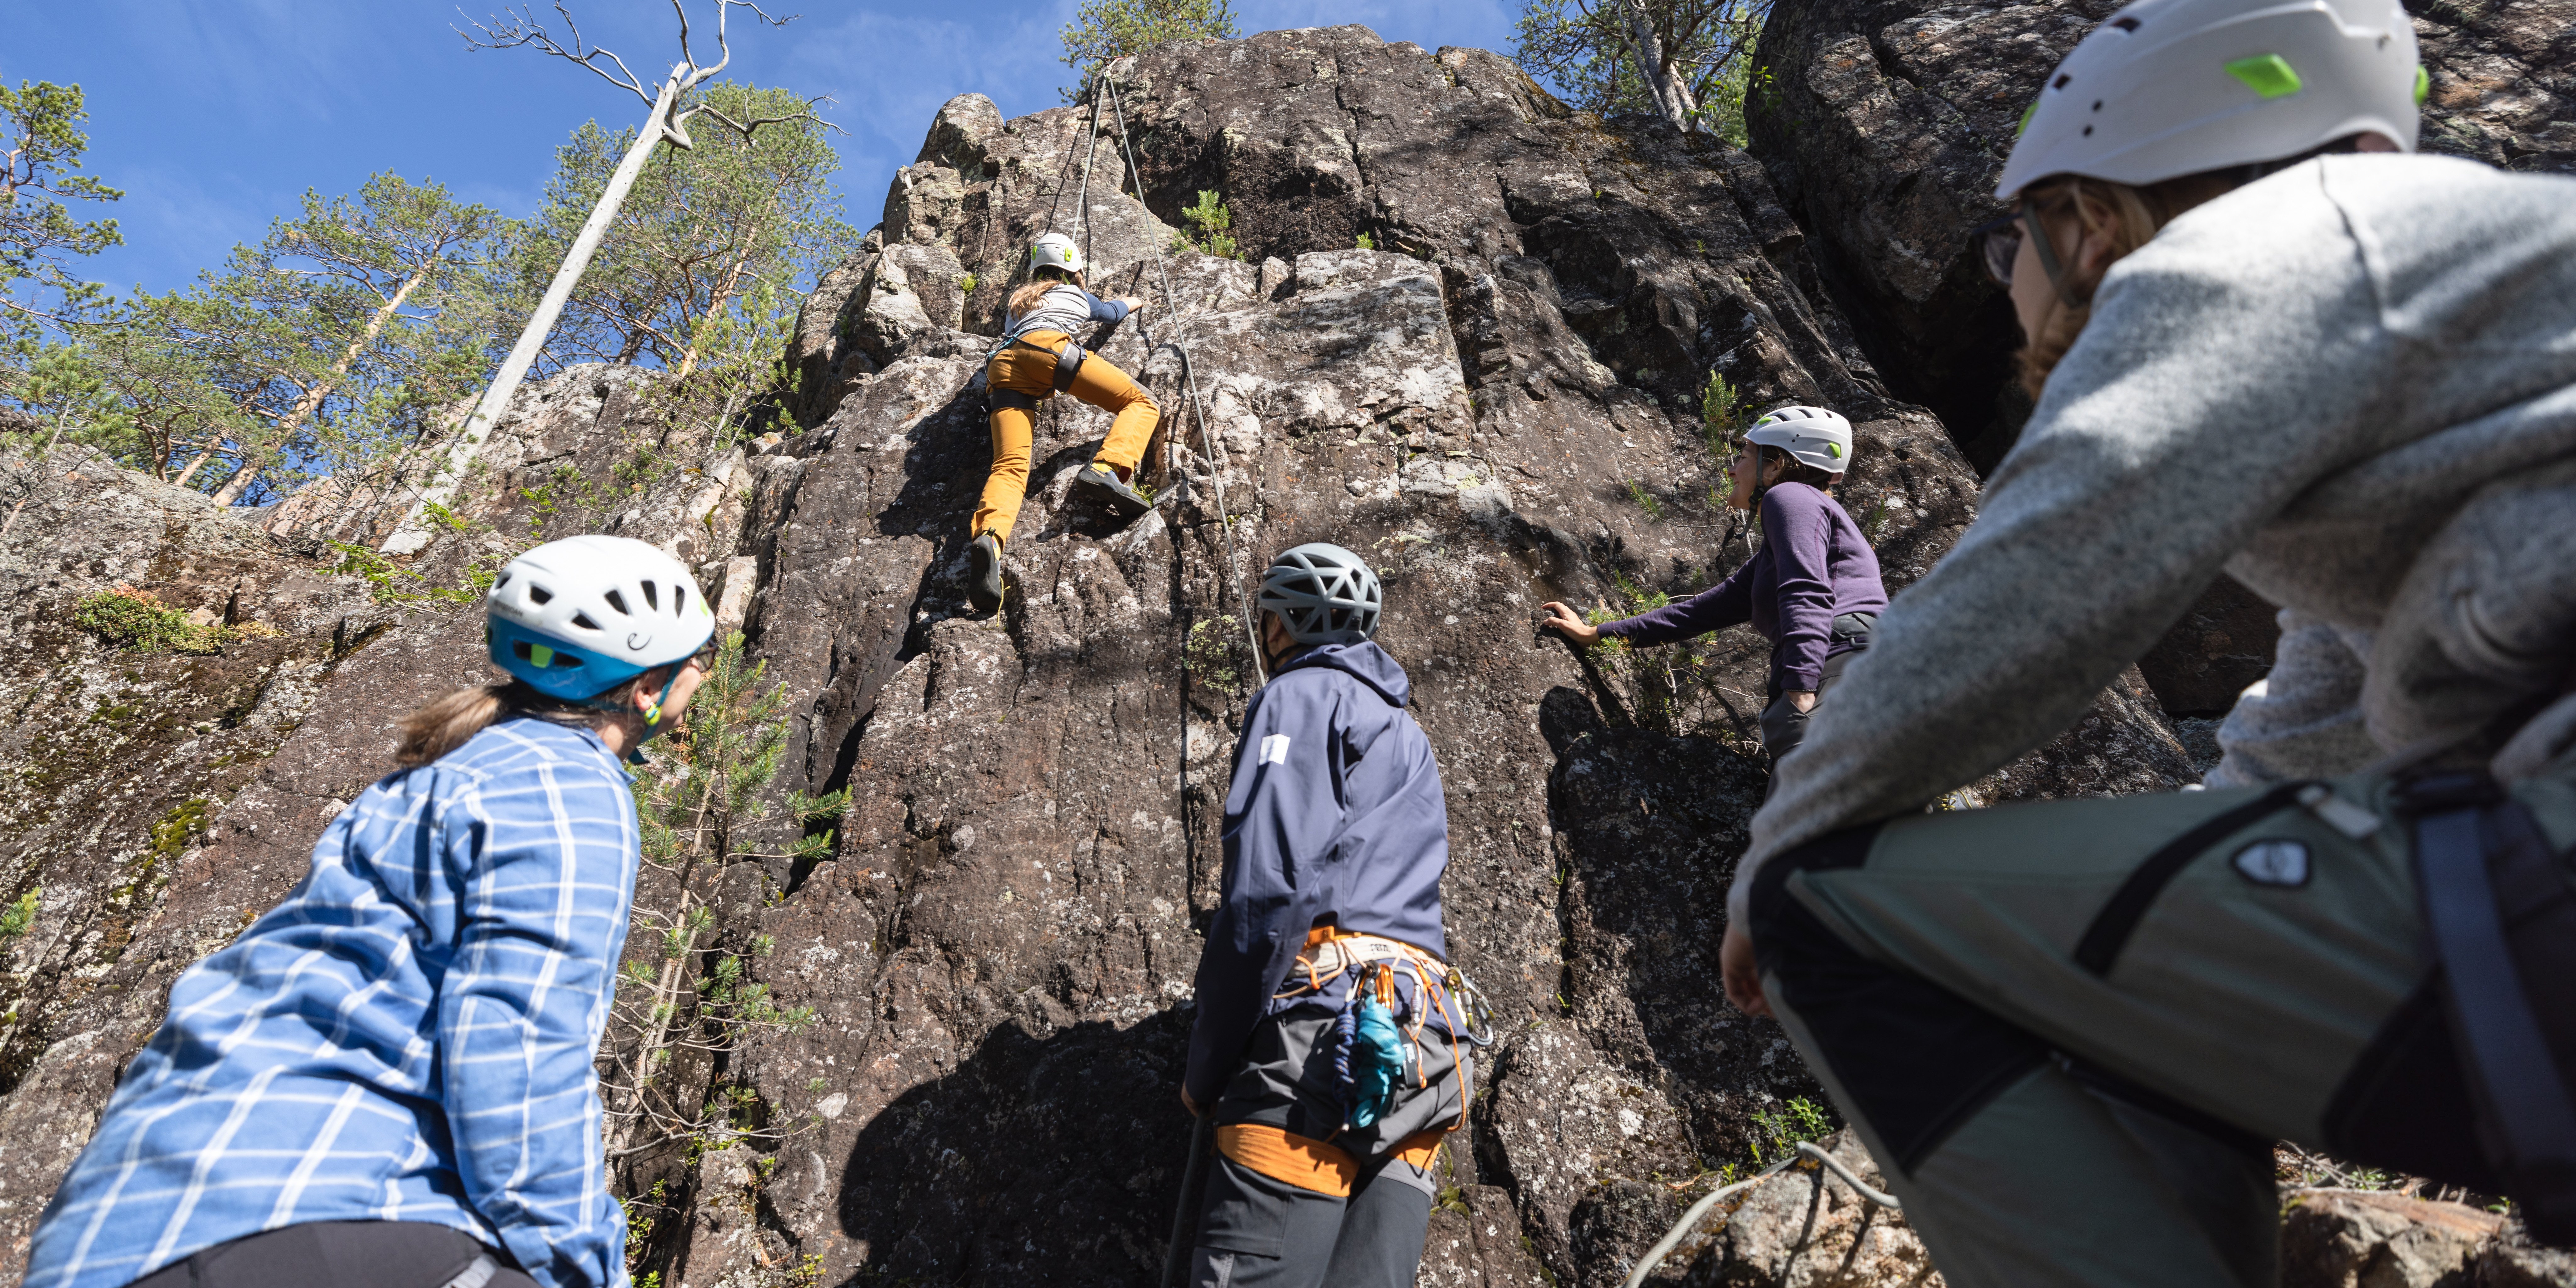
1716,608
1795,530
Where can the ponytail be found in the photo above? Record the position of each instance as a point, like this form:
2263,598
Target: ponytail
447,723
1042,280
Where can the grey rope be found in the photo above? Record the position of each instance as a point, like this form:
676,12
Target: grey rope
1190,375
1082,203
1806,1149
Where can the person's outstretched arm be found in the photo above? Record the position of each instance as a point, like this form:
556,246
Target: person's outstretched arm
1725,604
545,858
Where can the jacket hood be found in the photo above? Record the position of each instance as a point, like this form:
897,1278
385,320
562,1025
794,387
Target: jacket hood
1365,662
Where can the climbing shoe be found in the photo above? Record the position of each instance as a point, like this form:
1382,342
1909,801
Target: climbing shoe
984,573
1114,493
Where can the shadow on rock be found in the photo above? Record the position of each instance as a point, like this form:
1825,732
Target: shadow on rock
1054,1159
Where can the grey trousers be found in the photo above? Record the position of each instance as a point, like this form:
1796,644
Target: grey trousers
2071,1076
1256,1232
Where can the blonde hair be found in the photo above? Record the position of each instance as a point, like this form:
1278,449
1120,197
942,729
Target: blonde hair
444,724
1041,281
2131,216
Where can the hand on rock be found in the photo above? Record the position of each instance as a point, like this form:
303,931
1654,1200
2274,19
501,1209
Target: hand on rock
1568,623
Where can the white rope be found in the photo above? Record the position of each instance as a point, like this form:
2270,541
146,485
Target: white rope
1189,374
1806,1149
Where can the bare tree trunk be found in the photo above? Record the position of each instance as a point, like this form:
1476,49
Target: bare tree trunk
411,535
204,454
312,400
732,283
1672,96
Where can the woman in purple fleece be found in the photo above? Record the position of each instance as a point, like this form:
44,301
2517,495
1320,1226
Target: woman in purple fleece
1813,588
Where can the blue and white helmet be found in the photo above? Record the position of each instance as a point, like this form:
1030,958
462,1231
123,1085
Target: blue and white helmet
577,617
1323,594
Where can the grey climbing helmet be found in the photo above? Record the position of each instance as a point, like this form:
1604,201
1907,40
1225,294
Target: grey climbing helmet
1323,593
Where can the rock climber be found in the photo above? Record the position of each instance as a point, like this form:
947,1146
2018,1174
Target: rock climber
1327,1043
1812,589
386,1081
2263,336
1038,359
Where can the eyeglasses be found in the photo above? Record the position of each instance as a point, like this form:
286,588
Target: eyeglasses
1999,241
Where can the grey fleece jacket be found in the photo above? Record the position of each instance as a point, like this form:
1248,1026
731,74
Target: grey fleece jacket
2301,382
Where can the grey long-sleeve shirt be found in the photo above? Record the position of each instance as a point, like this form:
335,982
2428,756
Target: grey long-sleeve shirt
2299,382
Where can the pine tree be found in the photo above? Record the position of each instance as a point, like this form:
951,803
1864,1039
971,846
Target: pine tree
704,230
1684,60
1104,31
38,235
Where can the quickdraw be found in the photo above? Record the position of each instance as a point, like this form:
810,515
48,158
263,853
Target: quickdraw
1372,962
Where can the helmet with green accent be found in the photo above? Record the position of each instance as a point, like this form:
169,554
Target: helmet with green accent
578,617
2167,88
1813,435
1055,250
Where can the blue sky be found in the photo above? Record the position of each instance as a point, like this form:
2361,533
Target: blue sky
214,115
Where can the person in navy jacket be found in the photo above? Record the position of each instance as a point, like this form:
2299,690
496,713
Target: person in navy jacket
1328,1038
1813,588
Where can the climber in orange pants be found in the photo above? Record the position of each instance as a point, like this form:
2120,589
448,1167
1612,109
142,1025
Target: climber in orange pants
1037,360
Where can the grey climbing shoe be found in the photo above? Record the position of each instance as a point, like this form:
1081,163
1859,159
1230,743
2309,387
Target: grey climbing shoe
1102,480
984,573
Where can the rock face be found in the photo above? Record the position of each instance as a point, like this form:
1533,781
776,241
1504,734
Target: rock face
1498,405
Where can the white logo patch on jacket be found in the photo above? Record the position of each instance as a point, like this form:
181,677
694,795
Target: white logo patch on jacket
1274,750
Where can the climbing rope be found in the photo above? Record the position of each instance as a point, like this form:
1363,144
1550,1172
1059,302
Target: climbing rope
1806,1149
1216,463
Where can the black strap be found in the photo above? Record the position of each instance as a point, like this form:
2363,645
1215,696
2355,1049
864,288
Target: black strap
1068,360
2534,1128
997,399
2128,905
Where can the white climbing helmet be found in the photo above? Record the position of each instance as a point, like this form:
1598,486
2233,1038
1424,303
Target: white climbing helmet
1812,434
1055,250
2166,88
1323,593
579,616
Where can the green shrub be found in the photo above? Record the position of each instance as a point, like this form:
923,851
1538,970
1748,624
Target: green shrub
1210,219
137,620
1720,412
1362,242
19,917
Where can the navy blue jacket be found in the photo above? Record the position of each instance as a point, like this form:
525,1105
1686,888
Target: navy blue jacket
1336,816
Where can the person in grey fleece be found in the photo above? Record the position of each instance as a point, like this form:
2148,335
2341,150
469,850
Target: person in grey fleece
2070,1030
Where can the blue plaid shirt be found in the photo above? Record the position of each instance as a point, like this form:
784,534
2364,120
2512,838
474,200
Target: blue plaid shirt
408,1037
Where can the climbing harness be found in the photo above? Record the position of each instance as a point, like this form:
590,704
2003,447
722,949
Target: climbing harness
1806,1149
1374,1052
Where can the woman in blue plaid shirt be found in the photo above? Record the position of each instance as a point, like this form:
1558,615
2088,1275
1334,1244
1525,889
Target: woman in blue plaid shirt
387,1080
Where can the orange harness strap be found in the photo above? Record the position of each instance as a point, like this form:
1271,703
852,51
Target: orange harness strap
1291,1160
1313,1164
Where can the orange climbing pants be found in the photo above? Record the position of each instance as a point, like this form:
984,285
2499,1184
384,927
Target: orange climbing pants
1028,371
